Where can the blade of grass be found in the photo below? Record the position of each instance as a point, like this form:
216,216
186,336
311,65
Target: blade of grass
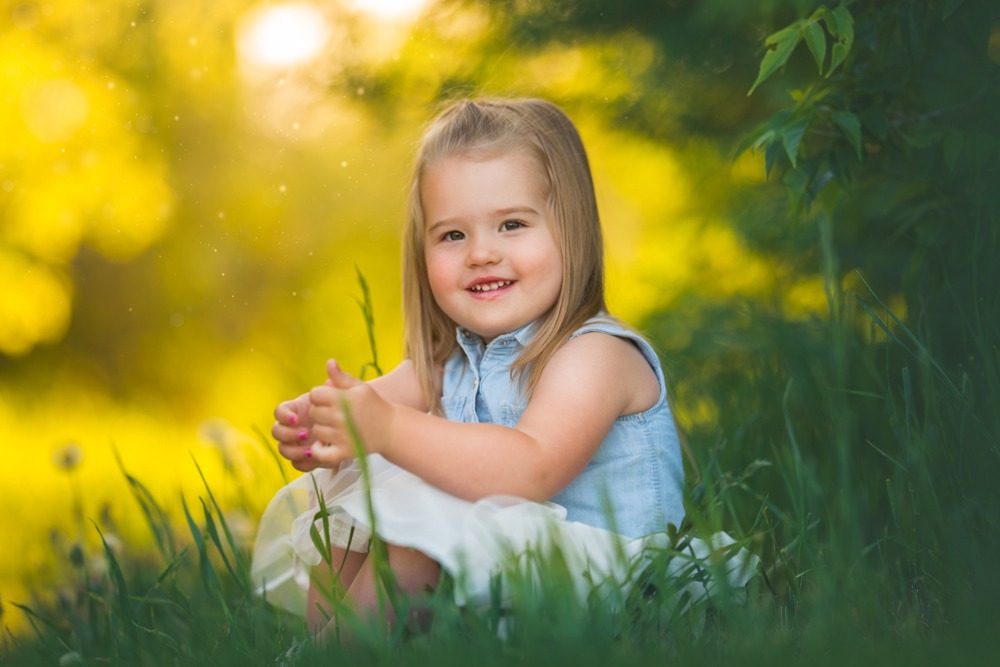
377,550
243,577
33,615
209,579
156,518
213,533
368,312
909,334
115,571
266,444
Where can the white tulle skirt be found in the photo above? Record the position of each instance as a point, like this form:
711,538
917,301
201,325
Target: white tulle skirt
474,542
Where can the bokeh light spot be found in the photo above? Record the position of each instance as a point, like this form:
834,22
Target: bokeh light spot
283,35
55,110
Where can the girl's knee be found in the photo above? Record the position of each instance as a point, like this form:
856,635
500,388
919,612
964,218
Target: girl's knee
415,571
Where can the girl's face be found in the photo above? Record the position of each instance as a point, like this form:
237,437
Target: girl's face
492,258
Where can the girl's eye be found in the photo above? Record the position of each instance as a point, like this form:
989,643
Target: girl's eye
452,236
511,225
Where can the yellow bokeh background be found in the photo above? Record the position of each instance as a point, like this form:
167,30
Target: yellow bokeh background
181,226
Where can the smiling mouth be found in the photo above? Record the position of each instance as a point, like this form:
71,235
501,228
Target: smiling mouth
489,287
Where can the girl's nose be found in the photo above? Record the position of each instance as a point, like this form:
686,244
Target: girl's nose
482,251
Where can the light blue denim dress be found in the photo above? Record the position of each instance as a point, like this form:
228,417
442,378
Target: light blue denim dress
633,484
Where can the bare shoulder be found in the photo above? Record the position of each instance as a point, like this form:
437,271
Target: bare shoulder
611,363
401,386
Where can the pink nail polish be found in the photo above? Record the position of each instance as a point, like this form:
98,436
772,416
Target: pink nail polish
293,420
303,434
309,452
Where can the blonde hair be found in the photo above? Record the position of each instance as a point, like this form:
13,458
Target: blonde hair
482,129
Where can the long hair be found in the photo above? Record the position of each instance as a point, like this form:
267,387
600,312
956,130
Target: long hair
483,129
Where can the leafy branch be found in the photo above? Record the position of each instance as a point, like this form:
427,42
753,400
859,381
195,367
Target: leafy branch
836,40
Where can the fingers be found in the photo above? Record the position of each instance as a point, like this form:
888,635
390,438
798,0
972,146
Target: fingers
339,378
291,420
300,456
291,430
284,413
318,455
330,455
290,434
310,429
330,428
289,427
324,395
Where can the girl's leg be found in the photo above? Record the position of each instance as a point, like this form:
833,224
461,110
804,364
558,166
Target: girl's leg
321,586
414,573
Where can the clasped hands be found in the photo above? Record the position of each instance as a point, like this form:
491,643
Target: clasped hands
312,430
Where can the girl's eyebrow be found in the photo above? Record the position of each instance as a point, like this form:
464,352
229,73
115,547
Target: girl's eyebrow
514,209
499,213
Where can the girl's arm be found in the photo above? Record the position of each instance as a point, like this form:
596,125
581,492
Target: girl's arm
586,385
293,426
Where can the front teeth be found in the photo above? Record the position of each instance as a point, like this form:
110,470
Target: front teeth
489,287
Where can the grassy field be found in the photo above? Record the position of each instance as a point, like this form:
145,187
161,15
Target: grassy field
872,550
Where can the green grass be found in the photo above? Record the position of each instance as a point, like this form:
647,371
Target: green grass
860,469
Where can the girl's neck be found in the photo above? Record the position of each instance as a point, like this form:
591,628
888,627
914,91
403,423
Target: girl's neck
486,341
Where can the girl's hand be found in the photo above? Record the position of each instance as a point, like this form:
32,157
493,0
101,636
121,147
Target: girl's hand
370,414
293,431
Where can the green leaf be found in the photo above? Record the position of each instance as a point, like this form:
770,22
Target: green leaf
952,148
949,8
816,41
317,541
791,137
779,47
323,516
765,140
797,181
832,20
875,122
851,127
755,140
921,135
770,155
840,23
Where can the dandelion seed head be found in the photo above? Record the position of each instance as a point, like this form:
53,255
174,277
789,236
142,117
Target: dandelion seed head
68,457
76,556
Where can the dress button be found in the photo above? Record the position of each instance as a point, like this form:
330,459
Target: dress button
475,384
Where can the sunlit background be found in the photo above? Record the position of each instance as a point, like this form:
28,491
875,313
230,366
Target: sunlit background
188,189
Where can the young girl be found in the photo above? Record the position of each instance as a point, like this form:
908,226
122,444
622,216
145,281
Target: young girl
523,413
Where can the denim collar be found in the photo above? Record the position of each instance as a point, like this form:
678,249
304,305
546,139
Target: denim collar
521,336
